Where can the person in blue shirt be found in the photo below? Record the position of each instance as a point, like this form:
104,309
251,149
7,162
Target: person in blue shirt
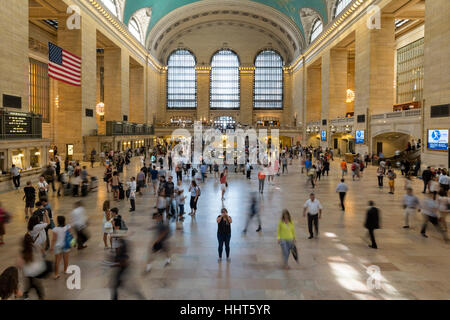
308,164
155,177
203,169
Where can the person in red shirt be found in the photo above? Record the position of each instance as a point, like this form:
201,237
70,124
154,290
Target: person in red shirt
261,179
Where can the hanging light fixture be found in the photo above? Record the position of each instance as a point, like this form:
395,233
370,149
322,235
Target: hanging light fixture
350,95
100,109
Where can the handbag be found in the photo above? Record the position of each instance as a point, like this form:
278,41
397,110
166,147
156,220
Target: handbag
294,252
69,240
108,227
52,223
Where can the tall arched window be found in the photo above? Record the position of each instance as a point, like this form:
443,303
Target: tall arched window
340,6
111,6
135,30
225,86
181,80
316,29
268,86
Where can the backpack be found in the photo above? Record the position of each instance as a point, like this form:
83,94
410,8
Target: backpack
199,191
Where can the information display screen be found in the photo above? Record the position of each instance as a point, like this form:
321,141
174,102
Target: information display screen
438,139
323,135
360,136
17,123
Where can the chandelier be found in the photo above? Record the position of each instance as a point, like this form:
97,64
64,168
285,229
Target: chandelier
350,95
100,109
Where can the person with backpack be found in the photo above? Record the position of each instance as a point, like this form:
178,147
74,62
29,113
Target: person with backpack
79,223
391,177
36,229
131,193
61,244
195,193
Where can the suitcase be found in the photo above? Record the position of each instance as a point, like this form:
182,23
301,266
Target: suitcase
84,189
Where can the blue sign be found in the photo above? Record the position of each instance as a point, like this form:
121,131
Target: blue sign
360,136
438,139
323,136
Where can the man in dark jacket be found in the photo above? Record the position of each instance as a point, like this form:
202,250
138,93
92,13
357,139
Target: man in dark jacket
426,177
372,223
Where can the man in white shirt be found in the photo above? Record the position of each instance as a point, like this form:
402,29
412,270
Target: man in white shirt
444,181
314,209
342,189
79,223
15,173
410,204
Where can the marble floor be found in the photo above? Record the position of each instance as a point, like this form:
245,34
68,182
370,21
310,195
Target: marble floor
334,266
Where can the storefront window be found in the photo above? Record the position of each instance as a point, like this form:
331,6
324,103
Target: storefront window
35,158
18,158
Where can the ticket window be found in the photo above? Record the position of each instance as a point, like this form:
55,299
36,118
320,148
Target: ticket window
35,158
18,158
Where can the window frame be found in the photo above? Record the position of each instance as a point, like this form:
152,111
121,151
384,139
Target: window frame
167,82
338,2
39,91
311,40
133,19
210,80
282,81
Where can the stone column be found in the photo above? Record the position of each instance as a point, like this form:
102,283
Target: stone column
247,78
14,50
137,103
71,122
313,94
113,84
436,75
203,78
288,113
325,95
374,72
338,83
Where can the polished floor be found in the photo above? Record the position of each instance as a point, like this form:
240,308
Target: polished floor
334,266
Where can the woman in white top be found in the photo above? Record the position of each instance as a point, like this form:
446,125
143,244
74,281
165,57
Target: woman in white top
42,187
36,229
444,205
107,225
59,244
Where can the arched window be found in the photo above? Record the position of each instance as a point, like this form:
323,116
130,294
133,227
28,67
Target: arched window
268,85
181,80
225,86
134,29
111,6
340,6
316,29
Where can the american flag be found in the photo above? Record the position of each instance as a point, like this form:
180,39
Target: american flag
63,65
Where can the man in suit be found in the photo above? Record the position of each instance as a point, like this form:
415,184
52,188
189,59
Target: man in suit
427,175
372,223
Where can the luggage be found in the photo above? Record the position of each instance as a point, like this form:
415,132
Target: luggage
84,189
121,193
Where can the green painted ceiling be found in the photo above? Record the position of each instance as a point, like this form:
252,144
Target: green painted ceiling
160,8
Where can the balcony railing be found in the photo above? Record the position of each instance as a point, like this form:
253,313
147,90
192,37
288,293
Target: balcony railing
398,114
20,125
115,128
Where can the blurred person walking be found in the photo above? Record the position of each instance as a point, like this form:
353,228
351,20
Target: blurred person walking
372,223
254,212
410,204
342,189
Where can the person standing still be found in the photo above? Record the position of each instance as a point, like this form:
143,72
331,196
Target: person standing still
372,223
342,190
224,233
313,208
261,179
427,175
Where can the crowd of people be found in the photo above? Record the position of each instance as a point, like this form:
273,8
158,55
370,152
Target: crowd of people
161,174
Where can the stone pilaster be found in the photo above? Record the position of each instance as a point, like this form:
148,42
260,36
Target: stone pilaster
137,112
338,83
247,78
113,84
203,84
14,50
436,74
313,94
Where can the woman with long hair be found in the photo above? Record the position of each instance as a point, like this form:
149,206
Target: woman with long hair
224,233
36,229
59,244
9,284
107,225
33,265
286,236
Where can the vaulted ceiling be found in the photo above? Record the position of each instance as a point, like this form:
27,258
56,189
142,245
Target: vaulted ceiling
290,8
